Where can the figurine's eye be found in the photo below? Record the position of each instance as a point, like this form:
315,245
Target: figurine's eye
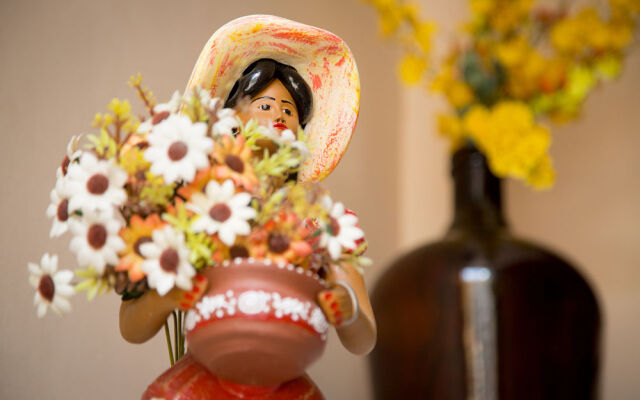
288,112
265,107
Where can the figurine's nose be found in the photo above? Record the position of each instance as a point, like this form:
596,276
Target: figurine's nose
279,114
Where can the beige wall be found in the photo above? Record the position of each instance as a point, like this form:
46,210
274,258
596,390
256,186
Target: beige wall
63,61
591,216
60,63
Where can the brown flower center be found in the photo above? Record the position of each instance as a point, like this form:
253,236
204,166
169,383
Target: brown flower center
334,226
278,243
169,260
220,212
122,280
235,163
65,164
177,151
238,251
97,236
63,210
47,288
159,117
142,240
97,184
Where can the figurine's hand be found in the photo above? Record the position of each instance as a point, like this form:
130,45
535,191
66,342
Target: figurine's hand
186,299
337,304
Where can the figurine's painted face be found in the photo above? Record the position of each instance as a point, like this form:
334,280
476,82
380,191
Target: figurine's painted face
274,107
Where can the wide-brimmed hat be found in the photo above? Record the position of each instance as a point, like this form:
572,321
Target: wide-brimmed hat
320,57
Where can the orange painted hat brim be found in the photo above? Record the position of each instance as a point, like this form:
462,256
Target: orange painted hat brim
320,57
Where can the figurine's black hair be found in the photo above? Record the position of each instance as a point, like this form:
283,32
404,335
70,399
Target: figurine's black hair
261,73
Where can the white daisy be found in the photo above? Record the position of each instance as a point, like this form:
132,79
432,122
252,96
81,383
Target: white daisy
227,124
178,148
286,137
341,232
289,138
73,154
96,242
52,288
167,261
95,185
210,103
222,211
161,112
269,132
59,208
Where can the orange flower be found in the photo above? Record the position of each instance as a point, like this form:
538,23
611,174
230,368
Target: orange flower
201,179
232,161
283,239
137,233
221,250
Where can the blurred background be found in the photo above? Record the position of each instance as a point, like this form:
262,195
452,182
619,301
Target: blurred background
60,62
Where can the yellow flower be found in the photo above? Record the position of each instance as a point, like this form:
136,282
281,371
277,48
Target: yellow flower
609,67
513,52
580,82
542,175
627,6
451,127
593,28
509,137
566,36
526,80
459,94
390,16
411,69
423,33
382,3
509,14
553,76
619,35
482,8
624,7
525,67
122,109
476,122
443,80
587,30
132,160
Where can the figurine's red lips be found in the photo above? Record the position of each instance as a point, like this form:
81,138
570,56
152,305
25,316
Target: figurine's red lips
280,126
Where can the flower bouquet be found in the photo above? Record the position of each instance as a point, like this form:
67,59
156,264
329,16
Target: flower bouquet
179,203
513,66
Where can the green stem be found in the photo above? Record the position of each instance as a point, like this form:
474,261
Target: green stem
166,332
175,333
181,325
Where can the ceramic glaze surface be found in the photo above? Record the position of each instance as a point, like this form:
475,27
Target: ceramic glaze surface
258,323
190,380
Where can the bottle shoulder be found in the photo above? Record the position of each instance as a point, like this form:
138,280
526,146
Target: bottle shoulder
511,258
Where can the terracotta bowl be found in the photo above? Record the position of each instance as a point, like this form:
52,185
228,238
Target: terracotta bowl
259,322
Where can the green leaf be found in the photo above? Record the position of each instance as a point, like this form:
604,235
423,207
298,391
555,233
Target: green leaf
155,192
103,145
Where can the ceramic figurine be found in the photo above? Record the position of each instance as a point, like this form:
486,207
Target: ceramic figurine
255,325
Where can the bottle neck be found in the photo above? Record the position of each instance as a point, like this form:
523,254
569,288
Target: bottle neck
477,192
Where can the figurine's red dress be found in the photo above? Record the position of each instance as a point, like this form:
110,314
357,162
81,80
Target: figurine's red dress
190,380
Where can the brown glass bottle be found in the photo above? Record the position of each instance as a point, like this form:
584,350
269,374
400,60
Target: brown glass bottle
482,314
